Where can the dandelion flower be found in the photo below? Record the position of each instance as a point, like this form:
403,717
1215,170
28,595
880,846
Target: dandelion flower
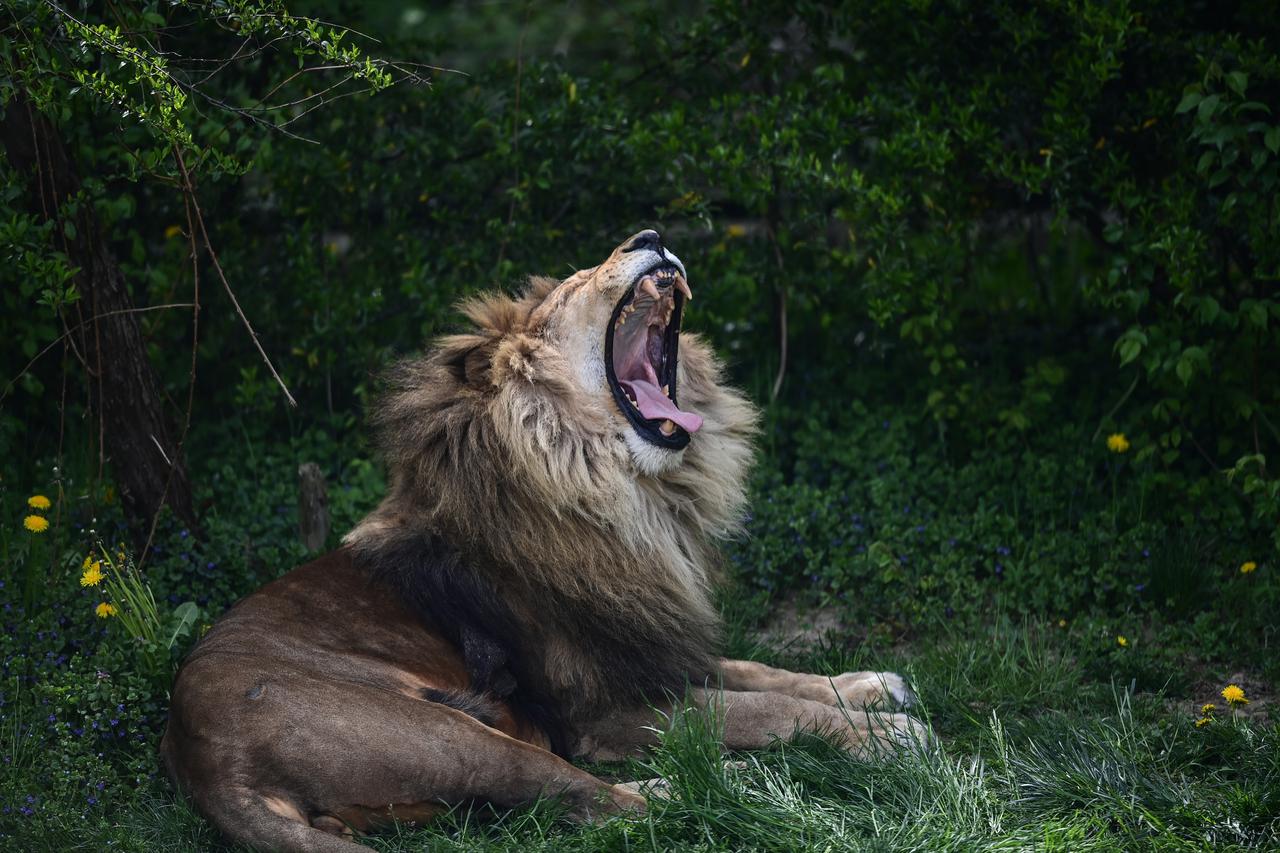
1208,709
1234,695
38,502
1122,640
105,610
172,231
1117,443
36,523
1203,721
1062,623
1250,566
92,576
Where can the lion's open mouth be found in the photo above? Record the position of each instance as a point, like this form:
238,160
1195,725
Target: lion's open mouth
640,352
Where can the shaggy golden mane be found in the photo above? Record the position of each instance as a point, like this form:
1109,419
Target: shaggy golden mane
590,580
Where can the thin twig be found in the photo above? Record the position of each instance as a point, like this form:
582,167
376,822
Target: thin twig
191,377
77,327
515,140
1124,398
213,256
772,223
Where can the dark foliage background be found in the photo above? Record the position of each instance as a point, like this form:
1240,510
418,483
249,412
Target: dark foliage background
984,237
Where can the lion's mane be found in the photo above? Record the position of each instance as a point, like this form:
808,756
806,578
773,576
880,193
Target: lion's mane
516,519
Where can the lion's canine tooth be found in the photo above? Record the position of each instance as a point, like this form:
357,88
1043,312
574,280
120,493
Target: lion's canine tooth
666,389
684,288
647,286
667,427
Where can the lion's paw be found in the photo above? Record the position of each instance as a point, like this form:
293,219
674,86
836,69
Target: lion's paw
877,734
623,799
865,689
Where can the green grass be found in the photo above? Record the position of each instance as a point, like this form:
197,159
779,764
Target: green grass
1032,753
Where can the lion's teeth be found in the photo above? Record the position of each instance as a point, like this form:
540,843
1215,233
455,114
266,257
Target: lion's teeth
684,288
647,286
667,427
666,389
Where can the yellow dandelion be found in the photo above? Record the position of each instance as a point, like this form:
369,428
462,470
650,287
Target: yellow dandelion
1122,640
1234,695
1203,721
36,523
38,502
92,576
105,610
1117,443
1062,623
1250,566
1046,152
88,561
1207,709
172,231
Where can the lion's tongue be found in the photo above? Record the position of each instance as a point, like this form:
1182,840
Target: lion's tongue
637,377
655,405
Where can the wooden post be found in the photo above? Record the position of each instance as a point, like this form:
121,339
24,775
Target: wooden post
313,506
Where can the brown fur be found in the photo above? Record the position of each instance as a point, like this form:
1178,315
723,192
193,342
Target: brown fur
536,577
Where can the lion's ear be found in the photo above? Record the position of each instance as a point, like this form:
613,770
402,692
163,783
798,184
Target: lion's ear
467,358
516,359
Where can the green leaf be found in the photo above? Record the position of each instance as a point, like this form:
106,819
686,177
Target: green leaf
1189,101
1207,107
1272,140
1238,81
182,619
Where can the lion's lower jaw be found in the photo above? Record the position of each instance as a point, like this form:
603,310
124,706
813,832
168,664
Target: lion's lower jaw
651,460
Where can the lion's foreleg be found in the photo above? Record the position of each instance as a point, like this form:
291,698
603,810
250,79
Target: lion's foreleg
749,720
851,689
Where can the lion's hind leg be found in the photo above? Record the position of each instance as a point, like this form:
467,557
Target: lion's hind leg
298,757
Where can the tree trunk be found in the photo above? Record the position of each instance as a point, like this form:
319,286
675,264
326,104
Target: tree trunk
136,438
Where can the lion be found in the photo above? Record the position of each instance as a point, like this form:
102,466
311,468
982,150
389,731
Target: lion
535,587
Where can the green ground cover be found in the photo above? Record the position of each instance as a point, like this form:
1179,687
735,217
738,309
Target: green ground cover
1062,625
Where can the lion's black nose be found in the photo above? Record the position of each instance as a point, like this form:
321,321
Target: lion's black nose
647,239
